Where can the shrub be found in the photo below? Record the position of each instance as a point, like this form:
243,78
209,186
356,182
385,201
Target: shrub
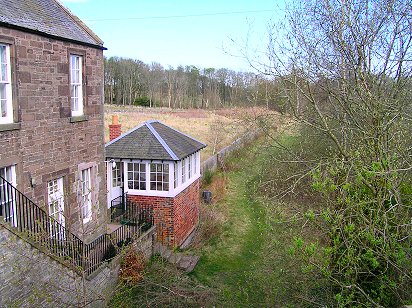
132,266
207,177
143,101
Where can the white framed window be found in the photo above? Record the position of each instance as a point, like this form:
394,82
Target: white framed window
55,198
183,170
175,174
76,84
7,199
6,105
117,174
159,177
189,166
194,156
136,176
86,194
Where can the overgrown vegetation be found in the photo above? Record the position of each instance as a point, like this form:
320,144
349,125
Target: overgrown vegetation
322,215
246,242
162,286
246,248
132,267
346,74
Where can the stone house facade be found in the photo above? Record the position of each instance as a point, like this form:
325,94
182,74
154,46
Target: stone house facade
51,113
156,166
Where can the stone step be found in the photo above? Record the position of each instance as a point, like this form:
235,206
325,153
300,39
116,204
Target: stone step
193,263
182,261
175,258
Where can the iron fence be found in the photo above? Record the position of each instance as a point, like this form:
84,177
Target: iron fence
127,212
35,223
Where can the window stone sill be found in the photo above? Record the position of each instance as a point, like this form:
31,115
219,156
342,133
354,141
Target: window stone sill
10,126
81,118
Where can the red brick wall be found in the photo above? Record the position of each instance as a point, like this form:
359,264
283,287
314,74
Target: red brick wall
47,145
115,130
186,212
176,217
163,216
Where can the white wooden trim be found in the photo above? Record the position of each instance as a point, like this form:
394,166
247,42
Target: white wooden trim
8,89
162,142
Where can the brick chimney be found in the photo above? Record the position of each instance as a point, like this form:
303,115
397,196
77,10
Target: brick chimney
115,129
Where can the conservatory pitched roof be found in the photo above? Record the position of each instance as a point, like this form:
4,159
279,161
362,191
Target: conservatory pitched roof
47,17
153,140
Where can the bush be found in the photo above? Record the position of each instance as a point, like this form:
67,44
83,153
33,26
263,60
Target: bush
207,177
132,266
143,101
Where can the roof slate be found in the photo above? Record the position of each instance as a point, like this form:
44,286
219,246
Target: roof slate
49,17
153,140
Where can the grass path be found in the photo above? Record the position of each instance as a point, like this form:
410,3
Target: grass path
230,262
245,259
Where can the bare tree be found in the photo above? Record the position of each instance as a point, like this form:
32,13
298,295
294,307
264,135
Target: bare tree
345,67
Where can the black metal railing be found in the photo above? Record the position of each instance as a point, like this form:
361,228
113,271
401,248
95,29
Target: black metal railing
117,208
44,230
37,225
127,212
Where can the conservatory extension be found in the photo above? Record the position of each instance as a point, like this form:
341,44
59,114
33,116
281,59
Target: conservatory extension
156,166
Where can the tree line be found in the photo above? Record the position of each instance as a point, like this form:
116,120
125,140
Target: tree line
133,82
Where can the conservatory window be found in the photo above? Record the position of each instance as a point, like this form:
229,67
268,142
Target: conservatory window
136,176
159,177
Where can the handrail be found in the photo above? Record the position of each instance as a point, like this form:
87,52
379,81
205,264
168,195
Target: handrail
34,222
31,220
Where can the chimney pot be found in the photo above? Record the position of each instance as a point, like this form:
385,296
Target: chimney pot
115,119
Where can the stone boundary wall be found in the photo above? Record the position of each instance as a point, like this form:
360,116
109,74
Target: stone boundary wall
214,162
31,278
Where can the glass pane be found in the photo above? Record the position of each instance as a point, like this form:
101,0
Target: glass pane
129,166
3,56
3,108
166,168
3,75
3,100
166,186
152,167
143,186
143,167
72,62
75,99
3,63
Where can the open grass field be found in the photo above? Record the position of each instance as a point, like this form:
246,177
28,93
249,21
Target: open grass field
216,128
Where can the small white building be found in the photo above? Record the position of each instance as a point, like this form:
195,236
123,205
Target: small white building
155,165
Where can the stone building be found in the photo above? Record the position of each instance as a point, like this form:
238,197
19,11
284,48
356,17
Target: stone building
51,115
156,166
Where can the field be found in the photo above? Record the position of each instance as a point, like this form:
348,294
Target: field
216,128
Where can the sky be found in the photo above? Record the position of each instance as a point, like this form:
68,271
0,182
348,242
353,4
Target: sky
204,33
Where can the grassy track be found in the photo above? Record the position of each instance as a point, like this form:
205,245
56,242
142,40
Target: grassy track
233,258
245,251
230,261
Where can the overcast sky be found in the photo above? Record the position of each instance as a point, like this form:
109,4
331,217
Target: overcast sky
179,32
